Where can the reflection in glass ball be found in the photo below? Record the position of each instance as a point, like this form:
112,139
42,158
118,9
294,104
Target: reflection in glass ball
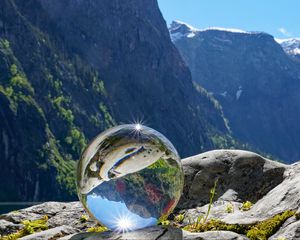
129,177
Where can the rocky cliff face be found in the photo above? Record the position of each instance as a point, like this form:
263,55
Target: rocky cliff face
255,198
255,81
70,69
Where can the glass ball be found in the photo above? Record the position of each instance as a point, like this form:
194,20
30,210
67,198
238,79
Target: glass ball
129,177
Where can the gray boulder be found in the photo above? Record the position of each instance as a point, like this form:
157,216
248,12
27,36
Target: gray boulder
242,176
275,187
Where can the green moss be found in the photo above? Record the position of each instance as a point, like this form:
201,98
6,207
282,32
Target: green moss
29,227
246,206
265,229
215,225
84,218
97,228
229,208
179,218
259,231
165,223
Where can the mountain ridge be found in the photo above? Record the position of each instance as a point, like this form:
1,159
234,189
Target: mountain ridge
256,83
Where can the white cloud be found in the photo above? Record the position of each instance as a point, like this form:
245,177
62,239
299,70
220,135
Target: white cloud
284,32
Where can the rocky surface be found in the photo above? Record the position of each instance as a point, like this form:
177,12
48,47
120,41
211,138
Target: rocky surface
272,187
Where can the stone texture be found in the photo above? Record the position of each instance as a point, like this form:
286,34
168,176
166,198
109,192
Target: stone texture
291,231
152,233
242,176
214,235
7,227
274,186
53,233
59,214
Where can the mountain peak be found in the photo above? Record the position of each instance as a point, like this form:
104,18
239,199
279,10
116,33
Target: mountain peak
290,45
179,29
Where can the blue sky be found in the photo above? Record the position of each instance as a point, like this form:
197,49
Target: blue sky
281,18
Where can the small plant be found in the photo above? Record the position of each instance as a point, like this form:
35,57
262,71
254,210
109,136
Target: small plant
211,198
246,206
179,218
229,208
165,223
201,221
84,218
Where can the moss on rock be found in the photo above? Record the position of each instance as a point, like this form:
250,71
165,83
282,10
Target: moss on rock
260,231
30,227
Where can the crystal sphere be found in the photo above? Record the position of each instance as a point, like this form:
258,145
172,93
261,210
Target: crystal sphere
129,177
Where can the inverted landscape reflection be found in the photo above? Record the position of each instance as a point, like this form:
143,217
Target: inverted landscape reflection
130,177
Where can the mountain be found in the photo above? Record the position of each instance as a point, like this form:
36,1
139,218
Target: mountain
253,78
291,46
70,69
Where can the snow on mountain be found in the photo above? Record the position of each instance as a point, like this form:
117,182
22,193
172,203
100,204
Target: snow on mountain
179,29
291,45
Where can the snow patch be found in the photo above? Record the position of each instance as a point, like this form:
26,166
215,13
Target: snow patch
290,45
224,94
176,36
233,30
239,93
179,29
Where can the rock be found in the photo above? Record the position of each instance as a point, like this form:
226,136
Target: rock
272,187
152,233
59,214
298,214
214,235
159,233
291,231
53,233
242,176
7,227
